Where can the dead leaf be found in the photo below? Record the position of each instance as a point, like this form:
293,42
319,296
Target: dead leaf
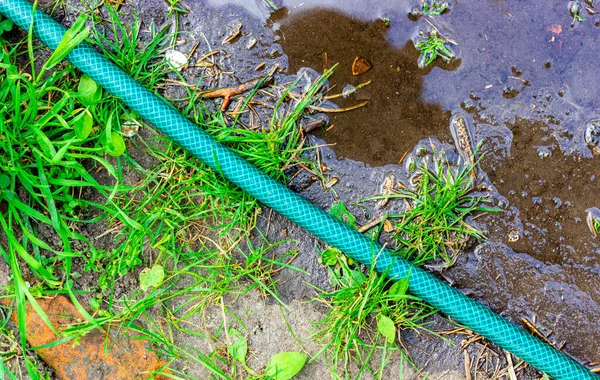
387,226
554,28
360,66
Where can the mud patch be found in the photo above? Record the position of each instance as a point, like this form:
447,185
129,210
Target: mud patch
395,117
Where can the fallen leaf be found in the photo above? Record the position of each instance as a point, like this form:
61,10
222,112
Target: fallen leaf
386,327
360,66
152,277
554,28
238,347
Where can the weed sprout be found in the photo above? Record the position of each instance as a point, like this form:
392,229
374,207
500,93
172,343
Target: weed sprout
432,46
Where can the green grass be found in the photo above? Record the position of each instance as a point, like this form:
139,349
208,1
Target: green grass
362,308
192,285
60,133
435,225
46,150
434,8
58,130
120,42
431,47
356,302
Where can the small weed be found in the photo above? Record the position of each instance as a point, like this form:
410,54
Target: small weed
120,42
358,299
431,47
429,8
435,224
434,8
575,11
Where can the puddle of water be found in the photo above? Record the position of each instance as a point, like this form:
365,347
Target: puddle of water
395,118
356,8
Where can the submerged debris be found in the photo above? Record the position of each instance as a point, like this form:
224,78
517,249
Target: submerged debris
593,220
592,136
251,42
463,140
575,11
513,235
234,29
312,122
348,90
387,188
360,66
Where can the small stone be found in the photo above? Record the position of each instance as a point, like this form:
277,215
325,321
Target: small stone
251,42
120,355
513,236
176,58
130,128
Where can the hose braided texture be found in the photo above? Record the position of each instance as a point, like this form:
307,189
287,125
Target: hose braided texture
289,204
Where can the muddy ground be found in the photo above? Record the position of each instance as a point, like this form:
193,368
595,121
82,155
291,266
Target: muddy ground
525,74
522,72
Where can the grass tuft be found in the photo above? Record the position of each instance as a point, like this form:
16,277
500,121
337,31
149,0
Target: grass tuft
354,303
435,224
432,46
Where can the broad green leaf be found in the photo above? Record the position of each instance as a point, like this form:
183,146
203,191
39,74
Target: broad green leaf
340,212
6,26
152,277
94,304
386,327
115,146
330,256
238,347
285,365
89,93
4,181
82,124
357,276
399,288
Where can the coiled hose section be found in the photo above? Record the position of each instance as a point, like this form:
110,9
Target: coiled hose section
289,204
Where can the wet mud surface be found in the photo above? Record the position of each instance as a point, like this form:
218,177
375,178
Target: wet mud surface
523,72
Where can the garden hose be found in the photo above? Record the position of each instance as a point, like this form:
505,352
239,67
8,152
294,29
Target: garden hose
271,193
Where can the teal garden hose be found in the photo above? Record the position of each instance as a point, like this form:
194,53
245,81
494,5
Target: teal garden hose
289,204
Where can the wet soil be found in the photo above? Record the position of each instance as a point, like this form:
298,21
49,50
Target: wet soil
523,73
